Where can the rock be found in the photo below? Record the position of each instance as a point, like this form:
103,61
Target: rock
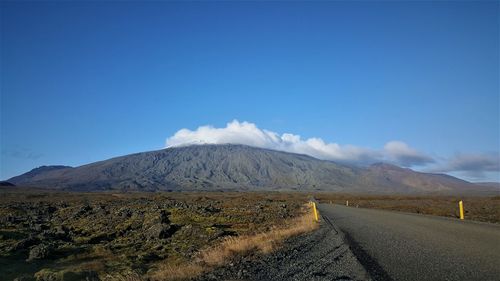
47,275
61,230
101,237
13,219
211,209
164,217
25,243
160,231
37,227
57,233
51,209
125,213
66,275
24,277
148,257
82,210
87,275
40,251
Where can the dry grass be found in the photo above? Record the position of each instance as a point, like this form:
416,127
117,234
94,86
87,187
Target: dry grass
179,272
263,242
231,247
130,276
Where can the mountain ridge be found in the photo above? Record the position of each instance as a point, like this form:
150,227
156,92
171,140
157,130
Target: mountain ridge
237,167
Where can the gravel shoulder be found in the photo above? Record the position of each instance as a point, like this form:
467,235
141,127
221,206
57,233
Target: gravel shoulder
320,255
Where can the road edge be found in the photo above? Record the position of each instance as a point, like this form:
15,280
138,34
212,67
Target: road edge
372,267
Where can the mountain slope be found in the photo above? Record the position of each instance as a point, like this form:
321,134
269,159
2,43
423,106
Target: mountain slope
381,174
40,171
238,167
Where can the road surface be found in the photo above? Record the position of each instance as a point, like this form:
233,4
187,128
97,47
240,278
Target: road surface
401,246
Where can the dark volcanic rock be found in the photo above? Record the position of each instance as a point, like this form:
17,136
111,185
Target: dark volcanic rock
26,243
164,217
100,238
47,276
87,275
24,277
40,251
160,231
82,210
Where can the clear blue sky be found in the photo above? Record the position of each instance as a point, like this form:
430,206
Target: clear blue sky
82,82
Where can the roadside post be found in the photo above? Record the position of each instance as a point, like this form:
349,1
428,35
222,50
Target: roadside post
315,211
461,209
347,203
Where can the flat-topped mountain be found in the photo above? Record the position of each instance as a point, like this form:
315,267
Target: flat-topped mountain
237,167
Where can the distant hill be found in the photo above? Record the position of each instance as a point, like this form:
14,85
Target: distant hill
489,184
238,167
6,183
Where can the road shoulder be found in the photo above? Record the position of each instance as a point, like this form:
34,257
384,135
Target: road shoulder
320,255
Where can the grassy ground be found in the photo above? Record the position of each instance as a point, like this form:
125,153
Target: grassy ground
486,209
73,236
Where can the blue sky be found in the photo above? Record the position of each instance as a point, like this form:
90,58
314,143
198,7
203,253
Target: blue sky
86,81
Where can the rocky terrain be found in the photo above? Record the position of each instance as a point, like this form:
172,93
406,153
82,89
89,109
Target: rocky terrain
76,236
239,167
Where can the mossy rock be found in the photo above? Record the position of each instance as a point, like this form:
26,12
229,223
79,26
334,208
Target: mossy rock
66,275
47,275
161,231
40,251
87,275
24,277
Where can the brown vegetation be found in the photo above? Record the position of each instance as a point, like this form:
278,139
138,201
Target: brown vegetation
231,247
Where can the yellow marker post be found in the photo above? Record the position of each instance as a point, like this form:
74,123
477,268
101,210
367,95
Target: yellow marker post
461,209
315,212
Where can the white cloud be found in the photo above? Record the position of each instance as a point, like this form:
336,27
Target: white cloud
236,132
472,166
400,152
474,162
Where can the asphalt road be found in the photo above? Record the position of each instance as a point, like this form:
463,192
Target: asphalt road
401,246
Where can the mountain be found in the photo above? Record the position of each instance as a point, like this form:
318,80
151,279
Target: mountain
6,183
236,167
489,184
381,174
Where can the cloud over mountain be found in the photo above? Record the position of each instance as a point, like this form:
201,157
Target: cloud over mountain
400,152
472,166
474,162
235,132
